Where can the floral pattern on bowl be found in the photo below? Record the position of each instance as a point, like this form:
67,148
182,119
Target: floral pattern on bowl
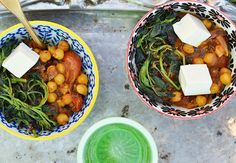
203,11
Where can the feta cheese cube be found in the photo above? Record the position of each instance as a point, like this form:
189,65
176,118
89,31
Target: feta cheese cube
191,30
21,59
195,79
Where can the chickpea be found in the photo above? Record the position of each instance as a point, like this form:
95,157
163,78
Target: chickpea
214,88
64,89
207,23
67,99
63,45
51,67
188,48
225,70
59,79
51,72
52,86
52,49
201,100
61,68
225,78
59,54
177,96
52,97
219,50
198,60
82,79
82,89
210,58
37,50
60,103
62,119
44,56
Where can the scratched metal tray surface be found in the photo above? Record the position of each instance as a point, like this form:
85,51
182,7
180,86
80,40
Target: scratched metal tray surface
107,33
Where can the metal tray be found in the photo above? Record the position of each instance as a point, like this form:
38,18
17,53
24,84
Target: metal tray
107,33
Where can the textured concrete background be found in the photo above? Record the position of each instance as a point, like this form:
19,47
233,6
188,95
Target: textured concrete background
205,140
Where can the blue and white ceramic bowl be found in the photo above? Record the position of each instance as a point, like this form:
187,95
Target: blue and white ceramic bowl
52,33
204,11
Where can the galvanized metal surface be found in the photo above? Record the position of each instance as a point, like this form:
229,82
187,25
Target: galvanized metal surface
203,140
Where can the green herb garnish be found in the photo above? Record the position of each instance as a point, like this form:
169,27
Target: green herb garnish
156,58
22,100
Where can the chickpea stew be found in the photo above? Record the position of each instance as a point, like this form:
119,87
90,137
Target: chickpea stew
49,93
160,53
60,68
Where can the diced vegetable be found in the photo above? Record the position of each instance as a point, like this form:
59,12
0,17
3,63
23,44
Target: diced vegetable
223,44
219,50
78,102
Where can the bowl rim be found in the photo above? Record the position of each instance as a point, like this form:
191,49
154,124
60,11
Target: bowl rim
127,56
96,87
117,120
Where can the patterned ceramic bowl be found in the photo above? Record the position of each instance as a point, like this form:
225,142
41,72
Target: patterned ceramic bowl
203,11
52,33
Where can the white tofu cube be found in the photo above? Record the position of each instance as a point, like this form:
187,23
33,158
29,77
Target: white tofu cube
191,30
21,59
195,79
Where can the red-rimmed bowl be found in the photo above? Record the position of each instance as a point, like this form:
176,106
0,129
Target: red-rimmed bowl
204,11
